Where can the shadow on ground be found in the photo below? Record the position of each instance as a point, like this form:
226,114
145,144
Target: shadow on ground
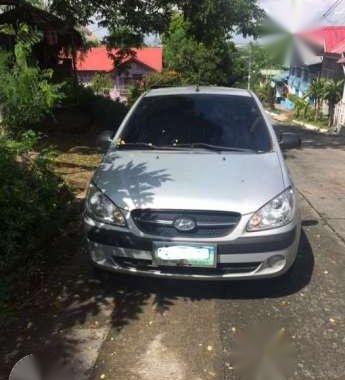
79,298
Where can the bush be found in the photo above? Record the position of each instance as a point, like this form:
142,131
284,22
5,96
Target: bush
33,204
265,94
104,112
101,84
26,92
163,79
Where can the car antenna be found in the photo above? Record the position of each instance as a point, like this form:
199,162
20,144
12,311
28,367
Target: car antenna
197,88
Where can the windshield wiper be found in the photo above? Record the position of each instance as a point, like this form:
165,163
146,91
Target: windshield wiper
147,146
136,146
215,148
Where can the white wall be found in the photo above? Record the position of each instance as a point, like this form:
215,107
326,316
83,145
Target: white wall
120,81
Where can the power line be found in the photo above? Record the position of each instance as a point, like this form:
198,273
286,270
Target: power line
332,8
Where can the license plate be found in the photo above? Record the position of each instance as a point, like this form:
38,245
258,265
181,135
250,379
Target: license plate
184,255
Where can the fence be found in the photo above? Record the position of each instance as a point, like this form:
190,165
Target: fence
339,115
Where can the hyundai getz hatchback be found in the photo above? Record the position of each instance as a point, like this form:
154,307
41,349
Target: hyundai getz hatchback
194,186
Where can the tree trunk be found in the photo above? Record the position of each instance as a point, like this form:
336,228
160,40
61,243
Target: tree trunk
318,109
331,114
315,109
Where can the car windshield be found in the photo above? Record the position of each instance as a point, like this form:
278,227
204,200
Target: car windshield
199,121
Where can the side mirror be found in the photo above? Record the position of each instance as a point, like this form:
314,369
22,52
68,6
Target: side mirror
105,138
289,140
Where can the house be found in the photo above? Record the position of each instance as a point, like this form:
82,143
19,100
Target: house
138,64
315,54
57,36
339,115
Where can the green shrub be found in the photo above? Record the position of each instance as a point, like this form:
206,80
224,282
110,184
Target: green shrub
33,204
134,92
104,112
164,79
101,84
266,94
26,91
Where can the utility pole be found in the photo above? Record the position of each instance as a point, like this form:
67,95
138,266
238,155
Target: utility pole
250,67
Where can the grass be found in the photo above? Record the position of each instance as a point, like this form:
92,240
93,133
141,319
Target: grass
76,168
75,164
321,123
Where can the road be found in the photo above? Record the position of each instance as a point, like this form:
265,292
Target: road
132,328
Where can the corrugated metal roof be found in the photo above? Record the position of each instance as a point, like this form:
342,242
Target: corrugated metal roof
98,59
329,37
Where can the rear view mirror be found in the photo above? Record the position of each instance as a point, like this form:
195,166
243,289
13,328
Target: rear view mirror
289,140
105,138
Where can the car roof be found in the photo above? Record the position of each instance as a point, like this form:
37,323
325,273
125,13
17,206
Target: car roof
198,90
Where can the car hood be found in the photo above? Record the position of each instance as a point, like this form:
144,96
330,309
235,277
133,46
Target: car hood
235,182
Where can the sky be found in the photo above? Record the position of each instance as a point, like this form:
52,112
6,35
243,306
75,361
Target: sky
297,15
293,15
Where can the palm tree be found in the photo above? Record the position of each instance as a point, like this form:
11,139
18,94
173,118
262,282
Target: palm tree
300,105
316,93
333,93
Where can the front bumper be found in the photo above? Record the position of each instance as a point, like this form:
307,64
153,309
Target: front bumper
242,258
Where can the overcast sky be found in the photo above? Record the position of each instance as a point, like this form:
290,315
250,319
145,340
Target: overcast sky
293,15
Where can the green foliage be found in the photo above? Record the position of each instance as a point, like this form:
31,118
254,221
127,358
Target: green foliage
316,93
209,20
122,37
134,92
131,20
263,57
104,112
333,92
26,91
301,106
101,84
164,79
195,61
33,204
330,91
266,94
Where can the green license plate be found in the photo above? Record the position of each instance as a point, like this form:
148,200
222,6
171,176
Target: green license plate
185,255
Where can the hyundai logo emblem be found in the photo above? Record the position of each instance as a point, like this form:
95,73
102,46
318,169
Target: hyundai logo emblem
185,224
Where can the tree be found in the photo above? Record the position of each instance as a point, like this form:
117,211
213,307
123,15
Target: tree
300,105
27,93
333,92
316,93
206,25
209,19
198,62
135,18
263,56
101,84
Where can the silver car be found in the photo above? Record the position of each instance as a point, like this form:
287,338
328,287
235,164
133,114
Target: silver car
194,186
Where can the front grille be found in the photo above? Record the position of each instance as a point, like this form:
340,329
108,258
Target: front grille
222,268
209,224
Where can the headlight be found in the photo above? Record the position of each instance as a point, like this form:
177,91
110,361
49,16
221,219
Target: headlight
276,213
100,207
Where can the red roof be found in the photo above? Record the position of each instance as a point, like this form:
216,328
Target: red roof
97,59
340,48
329,37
